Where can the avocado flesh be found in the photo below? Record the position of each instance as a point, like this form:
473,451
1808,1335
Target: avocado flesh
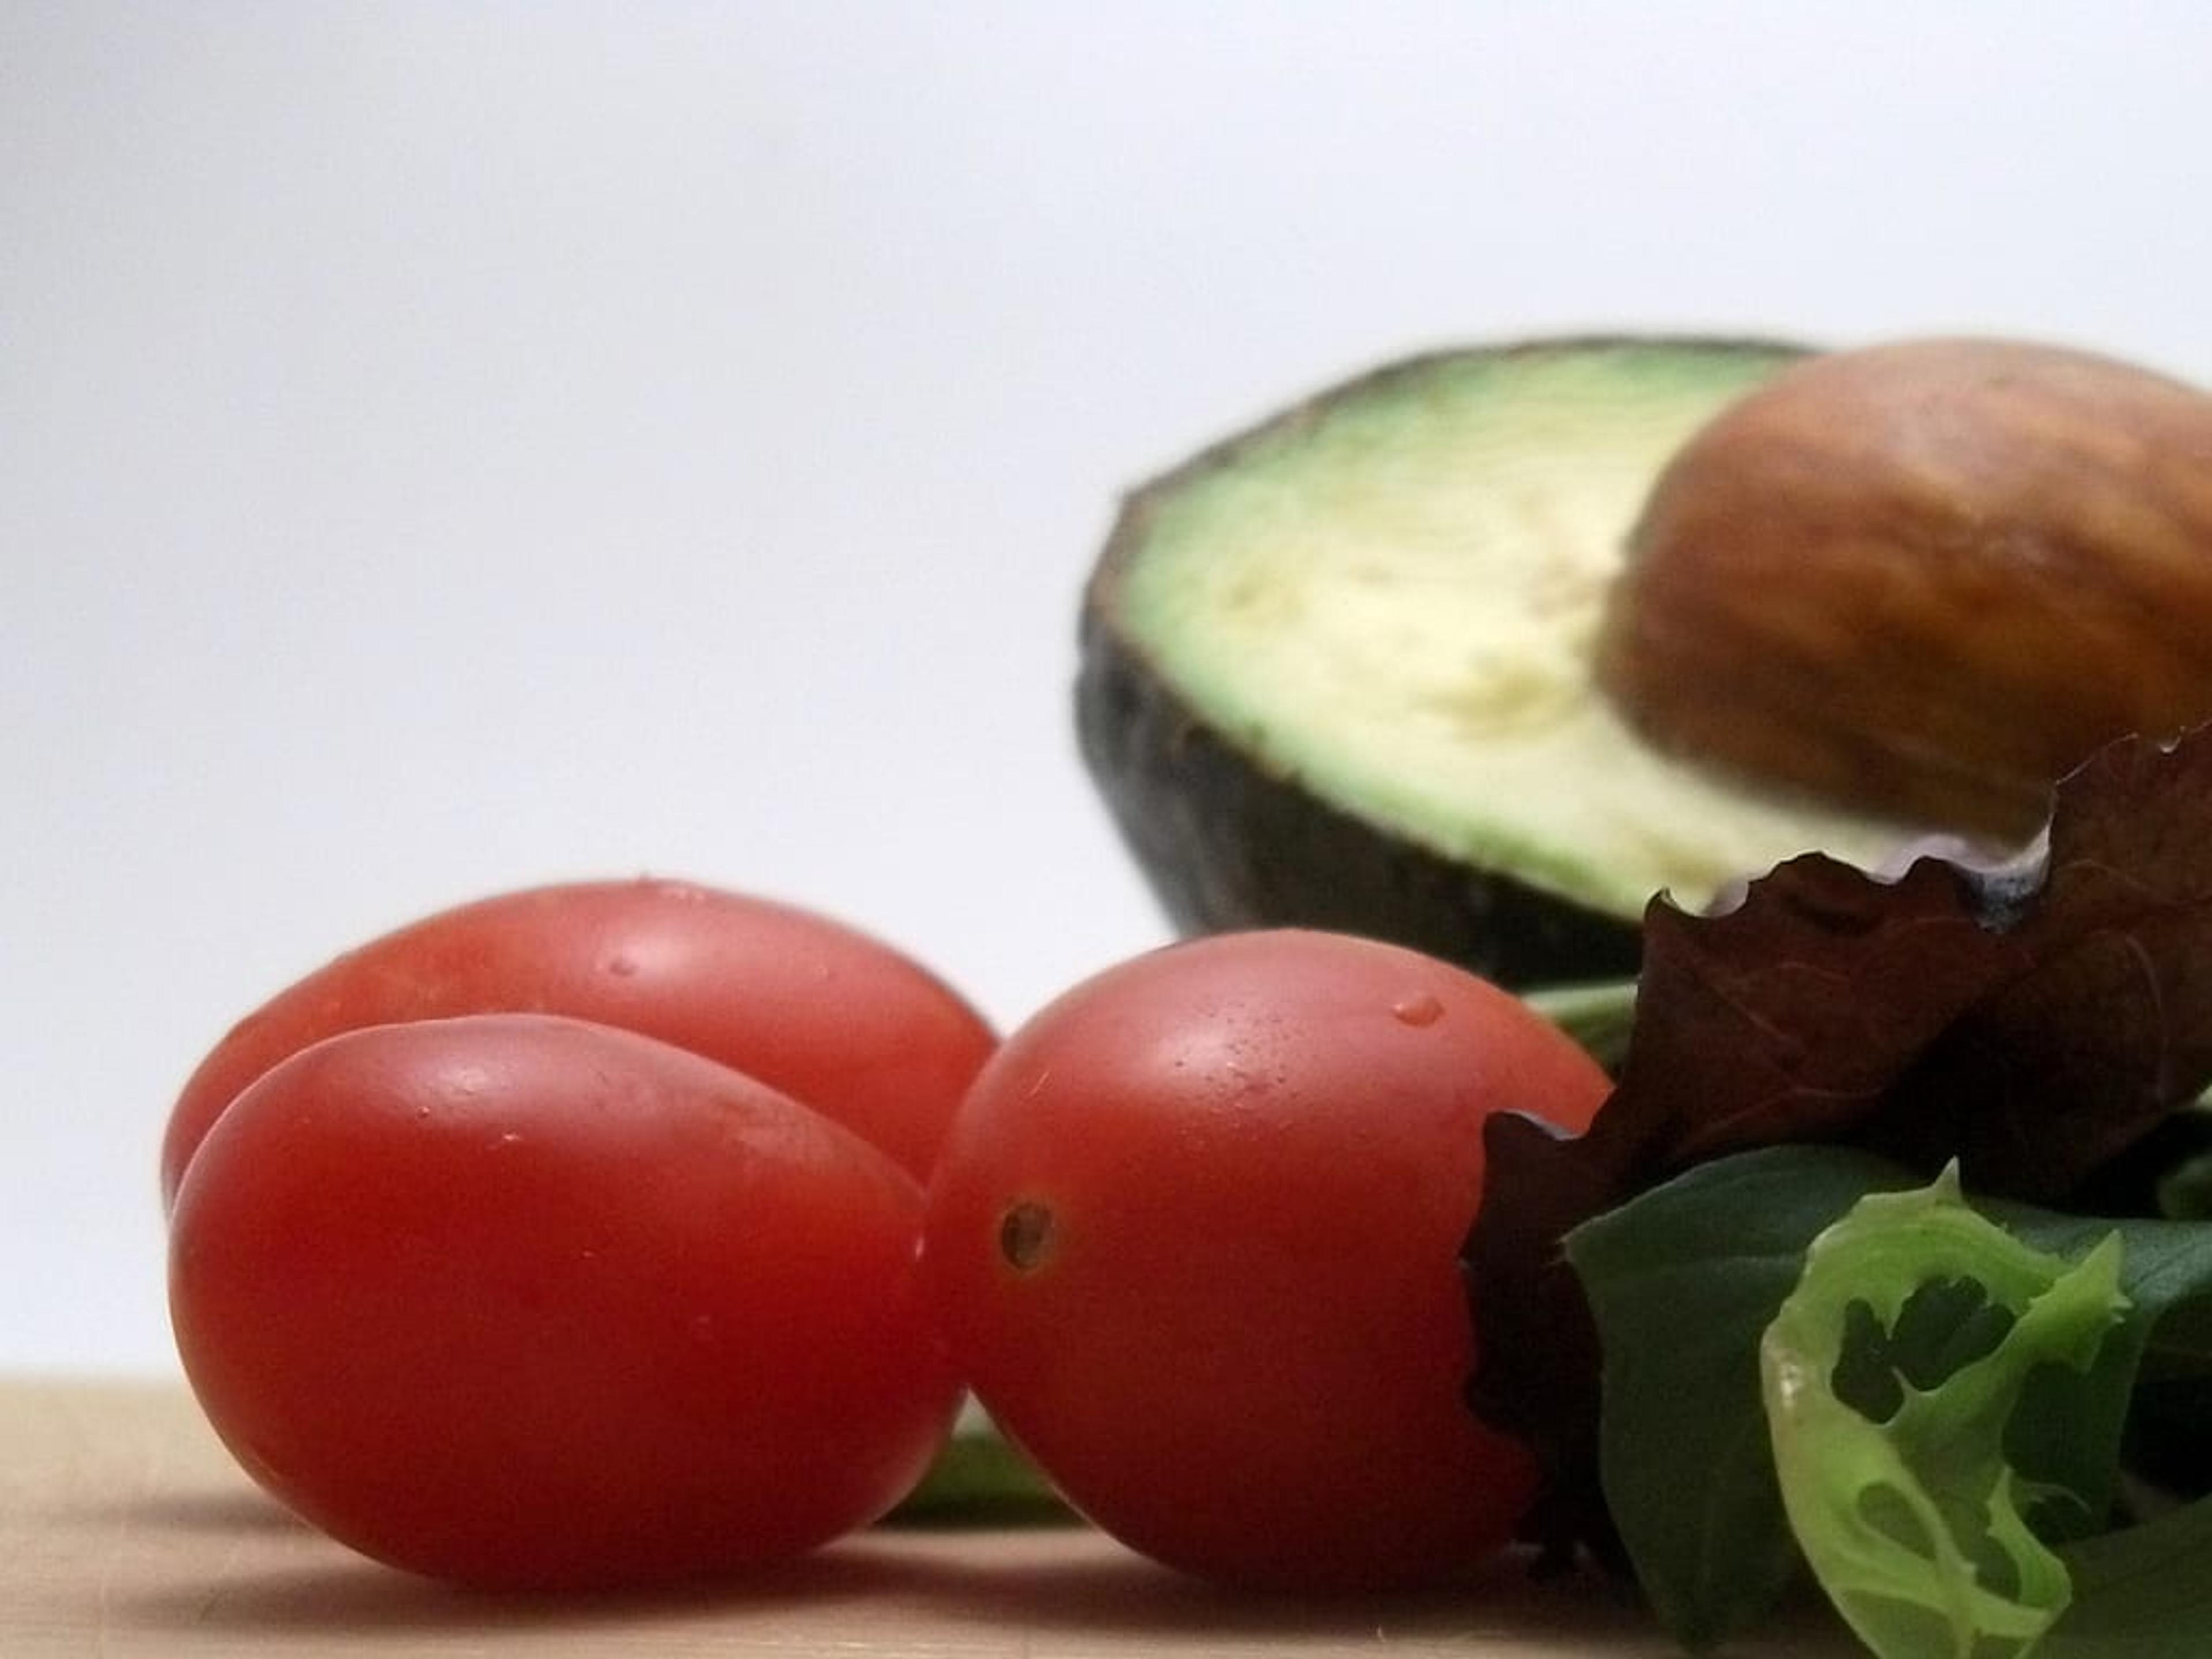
1338,670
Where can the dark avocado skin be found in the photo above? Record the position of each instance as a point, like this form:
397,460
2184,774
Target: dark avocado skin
1225,843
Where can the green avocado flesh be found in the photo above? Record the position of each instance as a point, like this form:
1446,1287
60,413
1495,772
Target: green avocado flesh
1337,670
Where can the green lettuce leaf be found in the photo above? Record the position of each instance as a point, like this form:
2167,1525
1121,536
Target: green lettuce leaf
1684,1280
2037,1020
981,1478
1899,1483
1598,1016
2141,1593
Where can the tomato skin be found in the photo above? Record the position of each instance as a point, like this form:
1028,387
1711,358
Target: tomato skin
521,1301
811,1006
1195,1238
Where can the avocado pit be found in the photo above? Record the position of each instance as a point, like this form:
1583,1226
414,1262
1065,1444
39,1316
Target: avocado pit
1923,579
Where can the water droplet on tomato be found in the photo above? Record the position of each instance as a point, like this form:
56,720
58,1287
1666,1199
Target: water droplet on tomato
1419,1009
621,967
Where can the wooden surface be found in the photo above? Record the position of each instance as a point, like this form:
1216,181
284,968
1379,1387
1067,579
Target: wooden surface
124,1531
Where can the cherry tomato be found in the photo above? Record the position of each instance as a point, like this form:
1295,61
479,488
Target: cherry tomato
1194,1237
516,1300
810,1006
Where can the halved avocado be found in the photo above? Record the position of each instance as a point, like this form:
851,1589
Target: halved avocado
1336,670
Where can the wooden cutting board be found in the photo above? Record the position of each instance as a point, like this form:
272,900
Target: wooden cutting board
126,1532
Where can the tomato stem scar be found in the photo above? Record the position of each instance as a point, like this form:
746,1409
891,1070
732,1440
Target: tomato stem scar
1025,1236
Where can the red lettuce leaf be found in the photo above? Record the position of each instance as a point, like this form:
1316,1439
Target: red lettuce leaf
2033,1020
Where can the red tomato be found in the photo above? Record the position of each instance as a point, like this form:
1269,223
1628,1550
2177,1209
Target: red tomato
522,1301
828,1015
1194,1237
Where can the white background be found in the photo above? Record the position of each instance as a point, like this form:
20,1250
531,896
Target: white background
445,446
